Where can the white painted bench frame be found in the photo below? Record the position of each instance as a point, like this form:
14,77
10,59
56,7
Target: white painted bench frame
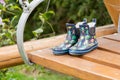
27,9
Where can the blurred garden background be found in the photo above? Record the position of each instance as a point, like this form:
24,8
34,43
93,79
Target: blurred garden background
43,24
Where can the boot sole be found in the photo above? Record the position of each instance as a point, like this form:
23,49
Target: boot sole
60,52
82,52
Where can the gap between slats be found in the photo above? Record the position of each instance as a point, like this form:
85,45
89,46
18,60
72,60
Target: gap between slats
109,45
114,37
103,57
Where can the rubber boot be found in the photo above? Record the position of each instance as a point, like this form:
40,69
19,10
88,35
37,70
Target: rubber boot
87,41
71,39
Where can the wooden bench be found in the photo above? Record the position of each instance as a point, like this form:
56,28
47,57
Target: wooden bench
100,64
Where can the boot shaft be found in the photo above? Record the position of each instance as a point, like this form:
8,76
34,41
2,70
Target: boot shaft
88,30
72,33
92,30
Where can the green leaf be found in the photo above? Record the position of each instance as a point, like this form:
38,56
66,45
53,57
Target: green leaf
38,31
1,6
42,18
46,16
15,7
6,20
13,21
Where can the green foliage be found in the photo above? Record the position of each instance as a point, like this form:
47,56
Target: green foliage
66,10
44,17
35,72
51,22
7,36
10,15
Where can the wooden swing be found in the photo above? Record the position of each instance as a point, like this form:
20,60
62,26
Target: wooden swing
100,64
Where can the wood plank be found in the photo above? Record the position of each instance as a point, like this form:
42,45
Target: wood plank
10,62
110,45
115,37
74,66
103,57
11,52
105,30
113,7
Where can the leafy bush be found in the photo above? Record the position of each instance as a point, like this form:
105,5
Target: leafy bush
10,13
65,10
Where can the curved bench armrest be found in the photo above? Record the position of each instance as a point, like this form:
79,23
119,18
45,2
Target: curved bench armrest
21,27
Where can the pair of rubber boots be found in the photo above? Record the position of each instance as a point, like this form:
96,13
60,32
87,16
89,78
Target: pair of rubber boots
80,39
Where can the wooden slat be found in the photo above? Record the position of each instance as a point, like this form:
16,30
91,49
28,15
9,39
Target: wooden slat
103,57
5,52
10,53
74,66
110,45
10,62
115,37
113,7
105,30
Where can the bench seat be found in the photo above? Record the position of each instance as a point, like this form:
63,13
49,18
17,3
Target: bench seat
100,64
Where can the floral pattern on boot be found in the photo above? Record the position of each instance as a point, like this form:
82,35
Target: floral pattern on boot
87,41
71,39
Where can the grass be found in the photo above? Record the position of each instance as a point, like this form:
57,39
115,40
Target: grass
36,72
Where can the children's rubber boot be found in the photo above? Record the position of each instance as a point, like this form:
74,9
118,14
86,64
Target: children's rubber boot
87,41
71,38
